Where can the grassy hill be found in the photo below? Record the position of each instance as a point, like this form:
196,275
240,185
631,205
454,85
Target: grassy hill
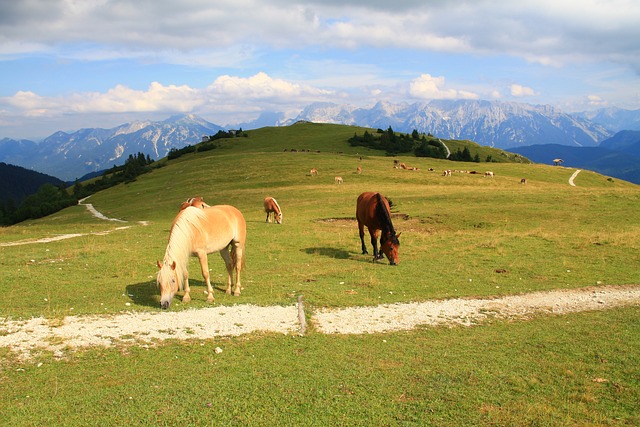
462,236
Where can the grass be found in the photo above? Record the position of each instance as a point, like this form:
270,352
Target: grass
580,369
456,232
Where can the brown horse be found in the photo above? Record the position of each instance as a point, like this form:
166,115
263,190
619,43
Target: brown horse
197,202
272,207
372,210
199,232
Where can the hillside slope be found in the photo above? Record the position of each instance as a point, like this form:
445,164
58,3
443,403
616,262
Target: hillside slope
602,160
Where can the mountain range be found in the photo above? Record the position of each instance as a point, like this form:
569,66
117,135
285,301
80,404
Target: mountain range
504,125
73,155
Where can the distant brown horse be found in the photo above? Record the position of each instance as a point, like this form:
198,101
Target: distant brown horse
313,172
373,211
197,202
272,208
198,232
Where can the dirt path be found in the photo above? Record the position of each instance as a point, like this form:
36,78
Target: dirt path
72,332
575,174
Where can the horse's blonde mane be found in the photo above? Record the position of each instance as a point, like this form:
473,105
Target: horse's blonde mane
185,226
276,202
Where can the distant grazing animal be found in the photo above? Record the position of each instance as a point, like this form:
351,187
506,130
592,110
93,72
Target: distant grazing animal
313,172
402,166
488,174
359,170
523,181
373,211
446,172
198,232
338,179
197,202
272,208
556,162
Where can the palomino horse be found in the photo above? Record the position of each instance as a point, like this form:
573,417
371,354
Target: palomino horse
197,202
372,210
199,232
272,207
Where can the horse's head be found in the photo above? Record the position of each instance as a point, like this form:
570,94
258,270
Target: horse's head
279,218
167,283
389,245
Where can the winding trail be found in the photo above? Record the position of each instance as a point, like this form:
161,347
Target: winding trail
96,213
445,147
93,212
574,177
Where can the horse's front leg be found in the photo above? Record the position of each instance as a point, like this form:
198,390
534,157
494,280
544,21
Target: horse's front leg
187,296
204,265
374,243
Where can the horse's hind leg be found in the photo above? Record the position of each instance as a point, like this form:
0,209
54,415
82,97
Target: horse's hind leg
228,262
237,261
361,230
204,265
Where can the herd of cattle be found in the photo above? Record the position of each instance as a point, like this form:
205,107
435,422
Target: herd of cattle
400,165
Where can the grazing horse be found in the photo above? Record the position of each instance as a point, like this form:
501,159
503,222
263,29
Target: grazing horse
313,172
197,202
198,232
338,179
272,207
359,170
372,210
488,174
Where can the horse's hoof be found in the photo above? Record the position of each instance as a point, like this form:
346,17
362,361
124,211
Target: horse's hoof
211,299
236,294
186,298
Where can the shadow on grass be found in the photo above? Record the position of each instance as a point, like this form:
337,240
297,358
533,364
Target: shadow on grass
147,293
329,252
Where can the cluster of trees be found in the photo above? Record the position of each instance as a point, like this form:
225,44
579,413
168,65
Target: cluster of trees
389,141
209,143
420,145
51,198
132,168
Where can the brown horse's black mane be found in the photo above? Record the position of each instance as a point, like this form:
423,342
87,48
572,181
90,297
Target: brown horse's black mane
384,214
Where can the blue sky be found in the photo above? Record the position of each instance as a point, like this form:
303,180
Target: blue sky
69,64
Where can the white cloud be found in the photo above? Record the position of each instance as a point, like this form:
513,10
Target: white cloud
261,86
429,87
226,93
520,91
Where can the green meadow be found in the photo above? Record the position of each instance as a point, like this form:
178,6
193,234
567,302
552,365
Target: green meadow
462,236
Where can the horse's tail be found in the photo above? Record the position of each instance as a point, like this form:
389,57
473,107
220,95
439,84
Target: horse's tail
234,257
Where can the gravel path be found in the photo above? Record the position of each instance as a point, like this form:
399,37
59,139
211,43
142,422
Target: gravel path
575,174
72,332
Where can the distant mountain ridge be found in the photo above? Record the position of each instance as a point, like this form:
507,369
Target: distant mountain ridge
73,155
505,125
496,124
